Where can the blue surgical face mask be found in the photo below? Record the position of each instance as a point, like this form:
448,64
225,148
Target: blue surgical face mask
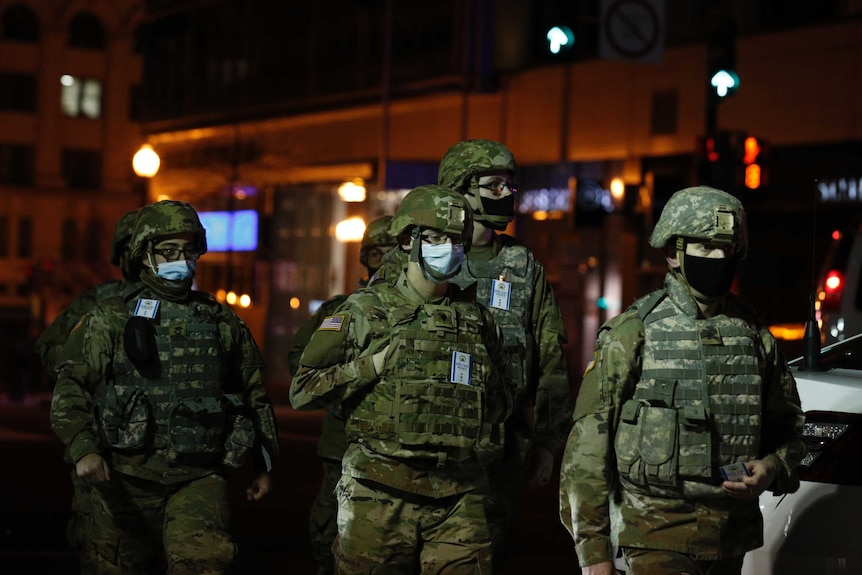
176,271
443,260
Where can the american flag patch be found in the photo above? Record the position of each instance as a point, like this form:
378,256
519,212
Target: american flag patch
332,322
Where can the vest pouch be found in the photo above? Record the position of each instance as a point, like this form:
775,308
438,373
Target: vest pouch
125,419
438,415
695,443
646,445
240,436
196,431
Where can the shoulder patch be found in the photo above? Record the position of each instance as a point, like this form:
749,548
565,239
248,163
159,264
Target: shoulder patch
78,324
332,323
592,363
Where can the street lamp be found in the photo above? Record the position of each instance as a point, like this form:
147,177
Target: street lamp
146,162
350,230
352,191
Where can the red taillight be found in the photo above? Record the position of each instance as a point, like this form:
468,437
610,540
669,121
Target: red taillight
833,287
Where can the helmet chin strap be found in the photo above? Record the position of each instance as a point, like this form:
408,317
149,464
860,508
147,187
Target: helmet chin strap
416,248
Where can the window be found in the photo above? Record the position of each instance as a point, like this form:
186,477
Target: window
17,165
69,233
25,238
664,112
81,97
18,23
86,31
82,169
17,92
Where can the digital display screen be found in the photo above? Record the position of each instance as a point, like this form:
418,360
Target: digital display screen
230,231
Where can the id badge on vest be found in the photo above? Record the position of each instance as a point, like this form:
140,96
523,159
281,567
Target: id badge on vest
501,294
147,308
461,367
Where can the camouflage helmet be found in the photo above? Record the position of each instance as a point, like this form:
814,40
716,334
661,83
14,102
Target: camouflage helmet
467,161
165,218
472,158
435,207
376,234
122,235
704,214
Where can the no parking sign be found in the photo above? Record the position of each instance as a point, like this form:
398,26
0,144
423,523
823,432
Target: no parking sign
632,29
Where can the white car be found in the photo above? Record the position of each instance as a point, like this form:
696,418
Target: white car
818,529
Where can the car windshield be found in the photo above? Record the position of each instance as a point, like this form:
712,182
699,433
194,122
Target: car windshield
846,354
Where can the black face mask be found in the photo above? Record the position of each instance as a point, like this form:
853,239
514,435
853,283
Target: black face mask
710,276
505,206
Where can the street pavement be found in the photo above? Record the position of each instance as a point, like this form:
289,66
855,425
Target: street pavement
272,535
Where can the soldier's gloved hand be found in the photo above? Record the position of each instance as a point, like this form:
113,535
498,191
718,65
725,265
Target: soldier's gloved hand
93,468
378,359
539,466
260,487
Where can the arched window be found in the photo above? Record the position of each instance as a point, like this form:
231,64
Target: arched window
86,31
19,23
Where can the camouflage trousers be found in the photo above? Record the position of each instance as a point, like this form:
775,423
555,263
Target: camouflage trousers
503,503
660,562
322,524
387,532
140,527
76,528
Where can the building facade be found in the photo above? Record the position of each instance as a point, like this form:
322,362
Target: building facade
272,106
68,71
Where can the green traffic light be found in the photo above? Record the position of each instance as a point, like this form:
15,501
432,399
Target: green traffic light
724,82
560,39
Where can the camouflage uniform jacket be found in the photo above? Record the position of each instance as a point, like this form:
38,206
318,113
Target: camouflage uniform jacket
600,512
534,332
532,327
337,367
96,367
332,443
50,343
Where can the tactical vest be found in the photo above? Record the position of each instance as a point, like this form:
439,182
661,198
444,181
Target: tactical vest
514,264
182,409
696,407
415,411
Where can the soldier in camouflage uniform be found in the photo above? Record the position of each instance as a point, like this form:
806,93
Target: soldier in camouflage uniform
414,365
376,242
512,283
686,414
158,396
50,343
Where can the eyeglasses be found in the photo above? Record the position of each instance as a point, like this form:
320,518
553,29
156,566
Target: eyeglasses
173,254
498,187
436,239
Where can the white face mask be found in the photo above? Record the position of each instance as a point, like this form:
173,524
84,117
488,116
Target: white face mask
176,271
444,259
